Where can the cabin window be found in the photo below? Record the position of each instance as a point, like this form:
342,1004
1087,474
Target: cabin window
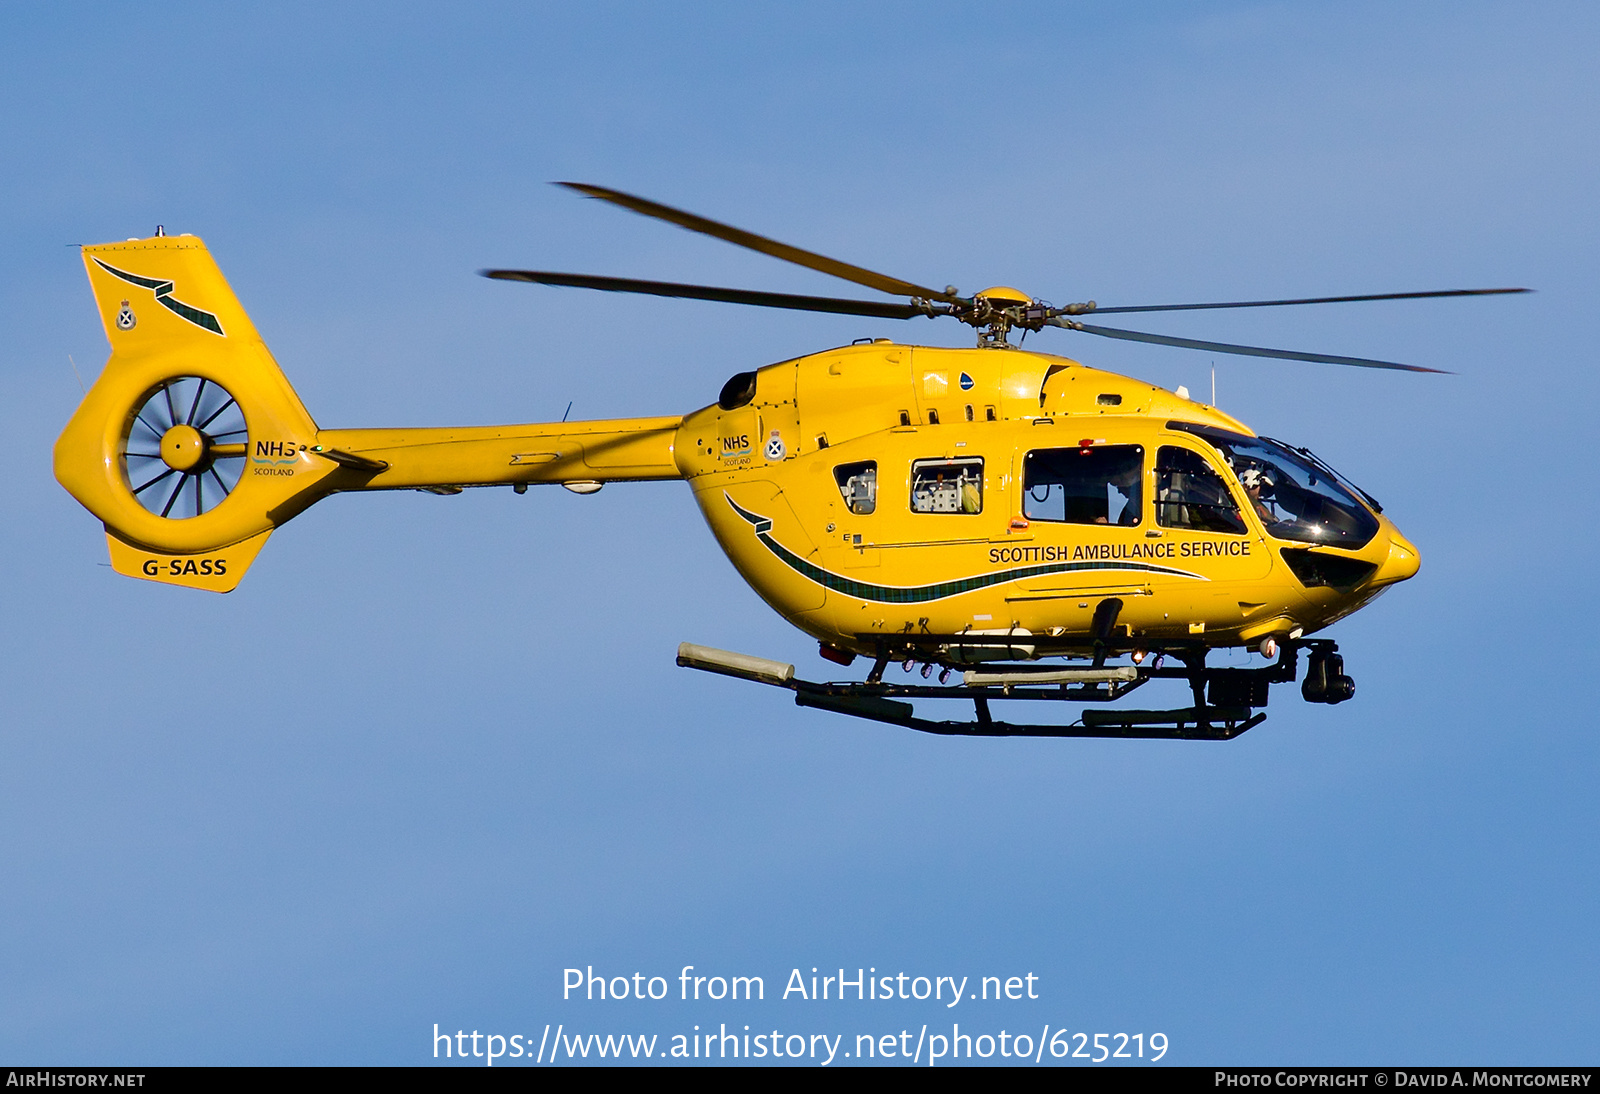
1189,494
947,486
858,485
1096,485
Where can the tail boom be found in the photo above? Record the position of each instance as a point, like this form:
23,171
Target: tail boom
627,449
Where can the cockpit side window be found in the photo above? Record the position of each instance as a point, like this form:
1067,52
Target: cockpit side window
1189,494
1097,485
947,486
858,485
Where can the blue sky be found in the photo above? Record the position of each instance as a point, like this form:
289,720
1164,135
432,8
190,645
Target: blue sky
435,750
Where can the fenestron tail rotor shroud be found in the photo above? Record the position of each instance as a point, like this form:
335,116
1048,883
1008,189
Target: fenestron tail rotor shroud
993,312
185,447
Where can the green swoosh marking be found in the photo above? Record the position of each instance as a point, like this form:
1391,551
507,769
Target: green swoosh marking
921,594
164,297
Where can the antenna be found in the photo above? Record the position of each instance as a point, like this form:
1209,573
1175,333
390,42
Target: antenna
75,372
1213,385
568,410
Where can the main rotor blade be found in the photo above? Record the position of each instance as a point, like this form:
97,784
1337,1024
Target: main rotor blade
738,236
1225,347
833,304
1311,300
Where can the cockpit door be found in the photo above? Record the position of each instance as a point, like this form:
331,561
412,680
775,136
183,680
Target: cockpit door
1200,511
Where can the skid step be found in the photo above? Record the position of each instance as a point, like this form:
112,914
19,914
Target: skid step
1183,716
1214,723
858,706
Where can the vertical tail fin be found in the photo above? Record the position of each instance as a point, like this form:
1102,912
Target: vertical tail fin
191,446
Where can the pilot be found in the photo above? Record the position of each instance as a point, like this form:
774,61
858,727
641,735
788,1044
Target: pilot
1254,481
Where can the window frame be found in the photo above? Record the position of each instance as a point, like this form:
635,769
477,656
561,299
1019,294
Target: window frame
911,499
1137,502
1244,513
1360,512
857,467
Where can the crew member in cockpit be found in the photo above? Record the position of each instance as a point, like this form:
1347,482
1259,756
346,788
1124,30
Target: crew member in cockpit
1254,482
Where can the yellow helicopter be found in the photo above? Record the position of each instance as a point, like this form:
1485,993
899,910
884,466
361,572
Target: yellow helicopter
974,511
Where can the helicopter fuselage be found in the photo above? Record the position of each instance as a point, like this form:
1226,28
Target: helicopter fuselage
955,538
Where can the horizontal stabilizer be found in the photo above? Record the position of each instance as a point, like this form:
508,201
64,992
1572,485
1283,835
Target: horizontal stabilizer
351,460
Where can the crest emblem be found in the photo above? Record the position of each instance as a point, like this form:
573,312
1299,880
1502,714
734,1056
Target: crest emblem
126,320
966,382
775,449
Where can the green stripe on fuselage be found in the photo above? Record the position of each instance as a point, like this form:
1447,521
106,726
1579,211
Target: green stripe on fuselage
921,594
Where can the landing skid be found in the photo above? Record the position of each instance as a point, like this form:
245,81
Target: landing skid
1225,715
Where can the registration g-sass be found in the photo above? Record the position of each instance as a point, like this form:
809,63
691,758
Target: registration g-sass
1035,528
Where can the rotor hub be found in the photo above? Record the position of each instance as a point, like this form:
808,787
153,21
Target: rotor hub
1002,296
183,447
994,311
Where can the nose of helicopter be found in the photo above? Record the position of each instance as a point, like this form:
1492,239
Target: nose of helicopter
1402,561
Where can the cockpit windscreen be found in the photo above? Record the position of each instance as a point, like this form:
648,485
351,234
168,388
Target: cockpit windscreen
1294,497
